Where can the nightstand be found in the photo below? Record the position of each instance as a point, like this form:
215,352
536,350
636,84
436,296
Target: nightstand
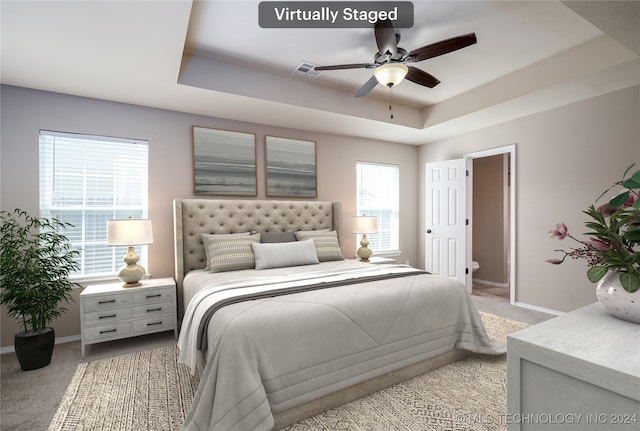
110,312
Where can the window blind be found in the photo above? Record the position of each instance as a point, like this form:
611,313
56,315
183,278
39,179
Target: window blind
378,194
87,180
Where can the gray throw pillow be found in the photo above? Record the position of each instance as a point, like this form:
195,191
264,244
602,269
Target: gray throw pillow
278,237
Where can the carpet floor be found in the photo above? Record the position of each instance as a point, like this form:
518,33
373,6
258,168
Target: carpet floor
150,391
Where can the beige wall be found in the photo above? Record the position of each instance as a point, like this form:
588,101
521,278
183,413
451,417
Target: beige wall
565,158
25,112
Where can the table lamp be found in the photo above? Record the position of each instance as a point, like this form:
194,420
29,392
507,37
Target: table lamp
130,232
364,225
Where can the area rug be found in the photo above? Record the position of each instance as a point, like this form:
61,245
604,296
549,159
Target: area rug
150,391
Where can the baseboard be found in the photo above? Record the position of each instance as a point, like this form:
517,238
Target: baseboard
538,308
60,340
490,283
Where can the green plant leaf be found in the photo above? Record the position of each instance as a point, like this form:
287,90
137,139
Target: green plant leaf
636,176
630,282
633,235
595,273
631,183
619,200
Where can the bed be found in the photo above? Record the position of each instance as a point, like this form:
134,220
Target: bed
299,329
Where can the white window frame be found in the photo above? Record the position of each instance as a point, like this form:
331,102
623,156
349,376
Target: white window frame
87,179
379,195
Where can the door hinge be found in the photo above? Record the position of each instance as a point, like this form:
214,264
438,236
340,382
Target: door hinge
466,222
467,172
466,270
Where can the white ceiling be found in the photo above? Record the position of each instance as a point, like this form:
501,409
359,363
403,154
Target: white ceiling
212,58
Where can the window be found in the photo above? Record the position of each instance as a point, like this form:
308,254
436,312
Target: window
378,194
87,180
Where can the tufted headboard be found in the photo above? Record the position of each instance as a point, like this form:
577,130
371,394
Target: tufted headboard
192,217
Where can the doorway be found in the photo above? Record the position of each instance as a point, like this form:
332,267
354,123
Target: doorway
493,221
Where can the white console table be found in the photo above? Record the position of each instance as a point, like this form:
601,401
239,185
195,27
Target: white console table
579,371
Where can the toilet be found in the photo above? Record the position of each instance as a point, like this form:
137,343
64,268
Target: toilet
474,266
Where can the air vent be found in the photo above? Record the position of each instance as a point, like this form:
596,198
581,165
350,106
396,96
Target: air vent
307,70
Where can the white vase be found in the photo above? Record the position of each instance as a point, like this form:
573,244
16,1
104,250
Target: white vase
617,301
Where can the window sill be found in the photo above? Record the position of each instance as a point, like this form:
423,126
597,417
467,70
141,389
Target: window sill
107,278
387,253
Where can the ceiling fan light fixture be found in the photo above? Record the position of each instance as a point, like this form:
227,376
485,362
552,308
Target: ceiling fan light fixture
391,74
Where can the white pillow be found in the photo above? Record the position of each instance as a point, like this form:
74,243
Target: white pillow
281,254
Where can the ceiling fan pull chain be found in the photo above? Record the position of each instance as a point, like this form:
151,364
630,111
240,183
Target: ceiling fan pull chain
391,102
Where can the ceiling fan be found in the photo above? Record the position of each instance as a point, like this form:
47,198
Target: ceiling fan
389,61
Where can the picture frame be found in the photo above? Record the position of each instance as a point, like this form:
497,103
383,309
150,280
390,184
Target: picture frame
224,162
290,166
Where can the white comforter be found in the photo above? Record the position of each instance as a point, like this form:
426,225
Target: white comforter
273,354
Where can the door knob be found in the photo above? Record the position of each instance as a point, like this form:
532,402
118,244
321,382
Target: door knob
428,230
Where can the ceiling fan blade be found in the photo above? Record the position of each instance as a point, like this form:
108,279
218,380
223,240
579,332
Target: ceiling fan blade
386,37
421,77
367,87
443,47
346,66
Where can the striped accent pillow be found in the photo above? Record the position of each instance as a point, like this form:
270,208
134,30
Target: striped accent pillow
205,241
232,253
327,245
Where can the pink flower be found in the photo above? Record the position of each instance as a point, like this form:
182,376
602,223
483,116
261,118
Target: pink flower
560,232
629,203
606,210
598,245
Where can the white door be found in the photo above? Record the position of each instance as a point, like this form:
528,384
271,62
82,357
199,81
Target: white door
448,243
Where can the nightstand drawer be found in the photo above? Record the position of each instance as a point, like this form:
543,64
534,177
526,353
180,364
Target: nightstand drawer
108,331
106,302
153,309
149,296
153,324
107,316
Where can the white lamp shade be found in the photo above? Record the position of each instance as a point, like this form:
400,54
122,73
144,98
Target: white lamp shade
390,74
129,232
365,224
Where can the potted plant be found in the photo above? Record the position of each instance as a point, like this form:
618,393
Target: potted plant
36,260
612,247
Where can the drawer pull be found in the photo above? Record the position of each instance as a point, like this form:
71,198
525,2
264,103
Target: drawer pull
154,323
150,310
108,331
111,301
107,317
157,295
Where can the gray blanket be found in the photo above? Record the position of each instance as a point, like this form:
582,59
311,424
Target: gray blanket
275,353
287,290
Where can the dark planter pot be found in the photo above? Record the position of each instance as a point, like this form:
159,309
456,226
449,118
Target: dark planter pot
34,349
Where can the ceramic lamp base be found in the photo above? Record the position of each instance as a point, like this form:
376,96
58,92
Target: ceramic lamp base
364,252
131,274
